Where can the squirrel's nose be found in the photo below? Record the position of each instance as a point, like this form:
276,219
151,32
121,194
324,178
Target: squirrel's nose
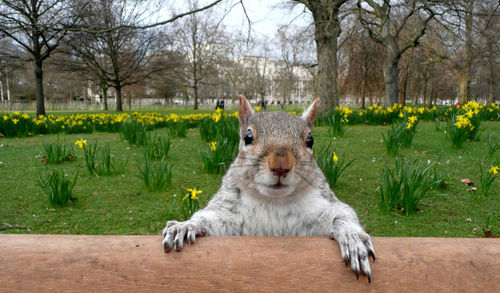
280,171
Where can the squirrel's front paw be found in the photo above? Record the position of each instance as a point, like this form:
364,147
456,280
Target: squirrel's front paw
355,247
175,232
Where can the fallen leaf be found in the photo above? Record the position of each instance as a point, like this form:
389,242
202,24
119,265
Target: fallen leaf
489,234
467,182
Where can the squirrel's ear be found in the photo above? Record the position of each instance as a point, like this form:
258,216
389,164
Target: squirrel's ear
244,111
310,115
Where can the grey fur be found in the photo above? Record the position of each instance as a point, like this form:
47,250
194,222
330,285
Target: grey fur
246,205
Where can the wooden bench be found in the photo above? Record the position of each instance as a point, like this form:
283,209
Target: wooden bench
52,263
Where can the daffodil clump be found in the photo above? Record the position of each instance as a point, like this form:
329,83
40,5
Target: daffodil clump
401,133
156,175
18,124
402,188
379,115
464,124
219,155
190,202
331,164
218,127
15,124
487,178
56,153
335,121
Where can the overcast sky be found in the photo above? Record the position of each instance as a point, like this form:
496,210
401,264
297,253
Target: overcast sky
266,15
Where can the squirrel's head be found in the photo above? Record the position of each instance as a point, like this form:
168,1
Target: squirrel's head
275,150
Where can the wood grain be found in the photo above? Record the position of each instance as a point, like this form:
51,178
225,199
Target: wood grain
55,263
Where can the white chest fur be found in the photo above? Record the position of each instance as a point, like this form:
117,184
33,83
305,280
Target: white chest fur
300,216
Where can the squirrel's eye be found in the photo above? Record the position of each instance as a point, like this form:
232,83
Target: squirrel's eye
309,141
248,137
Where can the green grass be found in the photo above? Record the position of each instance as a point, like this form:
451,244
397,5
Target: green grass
121,205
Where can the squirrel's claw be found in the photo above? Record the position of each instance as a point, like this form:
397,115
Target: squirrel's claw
356,249
175,233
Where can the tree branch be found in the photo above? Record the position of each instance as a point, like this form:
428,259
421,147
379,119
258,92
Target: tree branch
126,26
417,37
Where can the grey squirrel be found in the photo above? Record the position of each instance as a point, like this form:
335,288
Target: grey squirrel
275,188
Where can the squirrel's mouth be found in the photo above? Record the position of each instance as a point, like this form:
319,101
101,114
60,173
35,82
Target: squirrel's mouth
277,185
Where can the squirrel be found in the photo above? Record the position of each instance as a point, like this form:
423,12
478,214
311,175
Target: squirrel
275,188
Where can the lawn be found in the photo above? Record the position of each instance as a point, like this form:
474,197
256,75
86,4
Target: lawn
121,205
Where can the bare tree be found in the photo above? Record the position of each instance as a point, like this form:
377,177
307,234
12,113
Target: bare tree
260,74
116,58
200,39
456,48
292,44
387,24
467,31
233,69
37,27
489,28
363,59
326,32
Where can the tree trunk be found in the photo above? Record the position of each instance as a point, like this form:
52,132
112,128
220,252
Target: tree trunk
402,97
492,81
105,97
391,82
391,71
463,78
119,106
425,92
7,86
40,103
195,90
326,32
363,88
493,89
363,94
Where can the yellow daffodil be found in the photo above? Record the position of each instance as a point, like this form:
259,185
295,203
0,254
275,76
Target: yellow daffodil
257,108
493,170
80,143
15,121
401,115
412,119
212,146
194,193
335,158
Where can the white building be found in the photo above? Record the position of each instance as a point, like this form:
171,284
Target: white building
277,82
